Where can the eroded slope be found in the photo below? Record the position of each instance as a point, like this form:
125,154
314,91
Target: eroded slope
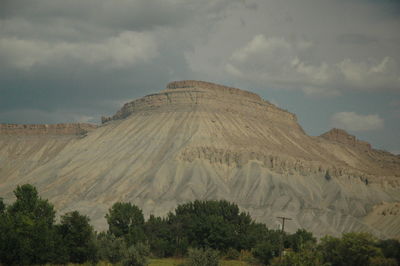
198,140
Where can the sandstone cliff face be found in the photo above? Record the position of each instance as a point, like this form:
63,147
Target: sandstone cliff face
198,140
181,95
46,129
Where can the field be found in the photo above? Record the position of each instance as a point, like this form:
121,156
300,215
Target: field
180,261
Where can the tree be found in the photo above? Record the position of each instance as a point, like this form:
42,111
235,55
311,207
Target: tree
2,206
353,249
159,237
390,248
216,224
126,220
297,240
27,230
78,237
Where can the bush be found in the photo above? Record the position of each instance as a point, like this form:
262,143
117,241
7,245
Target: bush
307,256
111,248
390,248
265,251
203,257
137,255
352,249
232,254
248,257
380,261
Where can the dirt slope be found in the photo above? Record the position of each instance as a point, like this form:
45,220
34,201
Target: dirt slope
198,140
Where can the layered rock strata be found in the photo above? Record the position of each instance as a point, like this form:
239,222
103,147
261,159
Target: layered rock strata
46,129
199,140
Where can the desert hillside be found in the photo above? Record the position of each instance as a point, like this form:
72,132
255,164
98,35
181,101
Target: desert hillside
199,140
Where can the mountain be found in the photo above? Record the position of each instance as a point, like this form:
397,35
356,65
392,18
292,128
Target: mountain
199,140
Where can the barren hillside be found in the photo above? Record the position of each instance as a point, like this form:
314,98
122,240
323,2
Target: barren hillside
198,140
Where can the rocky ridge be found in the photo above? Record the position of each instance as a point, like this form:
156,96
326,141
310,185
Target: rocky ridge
341,136
47,129
190,93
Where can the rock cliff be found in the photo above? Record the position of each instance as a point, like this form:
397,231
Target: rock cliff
341,136
199,140
46,129
188,94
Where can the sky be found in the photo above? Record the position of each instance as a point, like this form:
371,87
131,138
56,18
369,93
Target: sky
333,63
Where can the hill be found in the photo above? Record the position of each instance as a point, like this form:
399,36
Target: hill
199,140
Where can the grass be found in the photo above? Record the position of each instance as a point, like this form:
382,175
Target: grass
166,262
180,261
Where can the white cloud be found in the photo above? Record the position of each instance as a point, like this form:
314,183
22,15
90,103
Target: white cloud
355,122
276,62
371,74
281,64
321,92
128,48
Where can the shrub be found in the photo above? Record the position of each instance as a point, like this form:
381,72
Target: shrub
203,257
265,251
137,255
110,248
248,257
380,261
232,254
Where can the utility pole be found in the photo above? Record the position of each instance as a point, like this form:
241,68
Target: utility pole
283,221
283,230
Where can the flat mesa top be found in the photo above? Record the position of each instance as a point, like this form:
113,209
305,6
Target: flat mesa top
210,86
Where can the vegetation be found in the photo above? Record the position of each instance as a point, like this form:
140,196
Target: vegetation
198,232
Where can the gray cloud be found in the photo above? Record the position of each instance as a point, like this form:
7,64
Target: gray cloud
77,60
355,122
356,39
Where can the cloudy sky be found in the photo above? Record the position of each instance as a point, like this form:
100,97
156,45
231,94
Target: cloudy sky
333,63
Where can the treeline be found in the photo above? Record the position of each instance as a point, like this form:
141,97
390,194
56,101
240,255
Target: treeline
203,231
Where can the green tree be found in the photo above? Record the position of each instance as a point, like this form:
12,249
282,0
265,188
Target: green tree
2,206
390,248
77,237
352,249
159,236
299,239
216,224
26,229
126,220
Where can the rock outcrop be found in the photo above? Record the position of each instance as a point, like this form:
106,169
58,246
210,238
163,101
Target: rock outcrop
199,140
189,94
341,136
46,129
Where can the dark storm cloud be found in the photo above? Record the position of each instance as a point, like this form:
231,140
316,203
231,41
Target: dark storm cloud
66,61
93,55
122,15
